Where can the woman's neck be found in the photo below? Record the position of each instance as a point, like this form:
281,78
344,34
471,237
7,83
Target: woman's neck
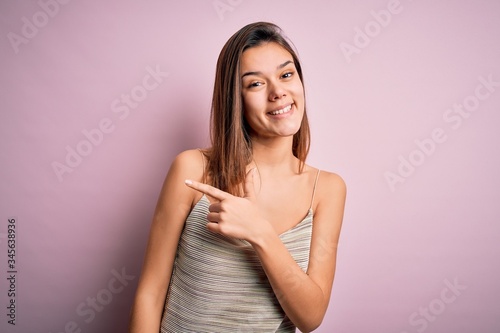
275,155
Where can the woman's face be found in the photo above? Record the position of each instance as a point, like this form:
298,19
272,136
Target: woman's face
273,95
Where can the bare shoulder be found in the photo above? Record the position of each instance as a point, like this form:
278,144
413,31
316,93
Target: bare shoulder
190,164
332,181
328,182
330,189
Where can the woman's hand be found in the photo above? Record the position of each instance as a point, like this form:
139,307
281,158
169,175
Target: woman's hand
233,216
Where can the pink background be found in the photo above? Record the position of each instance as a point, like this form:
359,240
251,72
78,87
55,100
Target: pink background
404,244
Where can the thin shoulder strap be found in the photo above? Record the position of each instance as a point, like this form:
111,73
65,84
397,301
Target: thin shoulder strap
314,188
203,161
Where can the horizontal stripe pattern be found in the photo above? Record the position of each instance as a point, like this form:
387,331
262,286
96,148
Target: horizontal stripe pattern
218,284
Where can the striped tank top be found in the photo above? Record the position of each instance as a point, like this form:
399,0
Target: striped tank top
218,283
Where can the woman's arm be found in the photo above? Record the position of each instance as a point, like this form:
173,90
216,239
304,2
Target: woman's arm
174,204
303,296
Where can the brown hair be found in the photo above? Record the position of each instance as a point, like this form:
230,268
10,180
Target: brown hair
231,149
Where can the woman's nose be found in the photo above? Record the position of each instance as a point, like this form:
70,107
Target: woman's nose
276,92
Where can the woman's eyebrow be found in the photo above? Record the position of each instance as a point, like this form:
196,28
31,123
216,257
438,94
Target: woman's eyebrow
260,73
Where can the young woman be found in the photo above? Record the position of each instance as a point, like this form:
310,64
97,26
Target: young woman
244,237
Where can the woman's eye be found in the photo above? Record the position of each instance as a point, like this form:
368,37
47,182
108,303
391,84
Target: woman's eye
255,84
287,75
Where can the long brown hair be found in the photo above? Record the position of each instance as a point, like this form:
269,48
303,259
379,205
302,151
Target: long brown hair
231,149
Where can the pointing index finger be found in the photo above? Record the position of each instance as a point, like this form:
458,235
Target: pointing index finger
207,189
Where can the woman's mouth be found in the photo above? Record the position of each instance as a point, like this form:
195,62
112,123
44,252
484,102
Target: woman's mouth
286,109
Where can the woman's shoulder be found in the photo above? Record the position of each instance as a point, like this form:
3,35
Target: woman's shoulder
328,183
190,156
191,162
330,194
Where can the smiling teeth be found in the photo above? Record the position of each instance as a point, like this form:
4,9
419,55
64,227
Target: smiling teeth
284,110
